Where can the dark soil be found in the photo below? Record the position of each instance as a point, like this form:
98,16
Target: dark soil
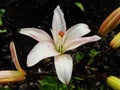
38,13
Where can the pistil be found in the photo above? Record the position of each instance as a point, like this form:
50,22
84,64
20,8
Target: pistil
60,44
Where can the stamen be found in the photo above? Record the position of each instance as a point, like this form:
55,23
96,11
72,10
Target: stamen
61,33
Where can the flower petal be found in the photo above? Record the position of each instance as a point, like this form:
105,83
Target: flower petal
72,44
36,34
64,66
41,51
15,58
58,23
77,30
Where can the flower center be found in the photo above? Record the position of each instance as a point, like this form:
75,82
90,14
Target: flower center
60,42
61,33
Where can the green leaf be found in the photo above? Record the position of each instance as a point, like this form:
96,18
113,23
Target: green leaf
90,61
93,53
2,11
51,83
79,88
3,31
4,88
79,5
78,78
101,87
79,56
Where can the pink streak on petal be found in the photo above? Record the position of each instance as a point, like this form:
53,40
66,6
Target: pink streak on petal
36,34
72,44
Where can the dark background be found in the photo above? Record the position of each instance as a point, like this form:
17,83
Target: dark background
38,13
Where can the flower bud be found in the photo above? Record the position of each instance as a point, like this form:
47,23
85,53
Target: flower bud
110,22
113,82
11,76
7,76
115,42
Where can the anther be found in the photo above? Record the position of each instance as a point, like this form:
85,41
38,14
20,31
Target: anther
61,33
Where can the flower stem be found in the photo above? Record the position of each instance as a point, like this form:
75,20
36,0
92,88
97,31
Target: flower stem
68,87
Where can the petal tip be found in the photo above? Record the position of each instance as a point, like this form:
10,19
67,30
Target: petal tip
29,64
58,10
96,37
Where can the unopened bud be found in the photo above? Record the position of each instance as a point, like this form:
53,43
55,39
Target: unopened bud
115,42
11,76
110,22
113,82
7,76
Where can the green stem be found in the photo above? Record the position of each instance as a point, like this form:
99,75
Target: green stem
68,87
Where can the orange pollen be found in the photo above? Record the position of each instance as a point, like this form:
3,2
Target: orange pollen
61,33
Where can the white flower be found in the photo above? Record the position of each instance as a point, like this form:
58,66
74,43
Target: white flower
62,41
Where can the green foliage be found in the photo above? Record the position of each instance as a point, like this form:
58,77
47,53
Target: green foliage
78,78
79,88
3,31
92,54
52,83
80,5
5,89
79,56
102,87
2,11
